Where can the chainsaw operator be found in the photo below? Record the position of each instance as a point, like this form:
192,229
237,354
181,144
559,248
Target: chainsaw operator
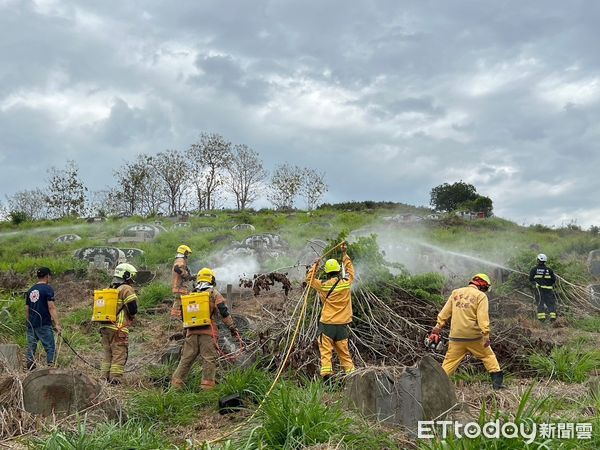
469,329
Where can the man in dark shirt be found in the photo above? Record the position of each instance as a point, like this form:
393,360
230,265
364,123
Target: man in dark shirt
543,280
41,314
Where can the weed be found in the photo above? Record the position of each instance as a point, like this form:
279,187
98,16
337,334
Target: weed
569,364
104,436
591,324
153,295
168,408
293,418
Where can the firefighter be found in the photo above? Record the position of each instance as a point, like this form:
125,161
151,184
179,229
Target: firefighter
543,280
115,335
469,329
202,340
335,294
181,274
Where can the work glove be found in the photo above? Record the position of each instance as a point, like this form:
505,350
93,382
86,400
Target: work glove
435,335
344,248
234,331
486,342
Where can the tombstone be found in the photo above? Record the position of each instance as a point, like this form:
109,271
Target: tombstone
401,395
205,230
65,238
132,254
244,226
60,391
594,263
95,219
208,215
10,357
105,257
594,290
181,225
148,232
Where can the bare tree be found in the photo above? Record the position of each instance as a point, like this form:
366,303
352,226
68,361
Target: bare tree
31,203
209,158
246,175
170,168
66,191
140,190
313,187
105,202
285,186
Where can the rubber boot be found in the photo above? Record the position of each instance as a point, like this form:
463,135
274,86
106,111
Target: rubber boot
207,385
497,379
177,384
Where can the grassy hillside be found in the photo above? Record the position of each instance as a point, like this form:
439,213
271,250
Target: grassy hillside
421,262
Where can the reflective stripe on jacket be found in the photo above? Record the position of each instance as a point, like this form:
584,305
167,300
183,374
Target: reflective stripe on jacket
542,276
178,279
337,308
127,296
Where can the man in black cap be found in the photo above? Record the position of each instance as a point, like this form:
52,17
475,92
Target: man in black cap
41,315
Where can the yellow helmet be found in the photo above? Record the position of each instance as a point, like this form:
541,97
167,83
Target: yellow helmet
482,281
332,265
205,274
183,249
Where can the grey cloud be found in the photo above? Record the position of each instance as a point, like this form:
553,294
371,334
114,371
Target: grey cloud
390,98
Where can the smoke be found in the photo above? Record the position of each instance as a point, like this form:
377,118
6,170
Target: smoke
234,268
409,247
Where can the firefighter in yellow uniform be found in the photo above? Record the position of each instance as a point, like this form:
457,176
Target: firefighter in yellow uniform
115,335
335,294
202,340
469,329
180,275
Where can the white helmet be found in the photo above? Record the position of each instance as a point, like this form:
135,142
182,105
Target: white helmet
125,272
542,258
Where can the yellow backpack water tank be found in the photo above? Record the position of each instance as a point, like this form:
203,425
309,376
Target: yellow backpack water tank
105,305
196,309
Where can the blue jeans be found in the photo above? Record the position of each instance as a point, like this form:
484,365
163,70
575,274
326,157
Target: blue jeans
44,334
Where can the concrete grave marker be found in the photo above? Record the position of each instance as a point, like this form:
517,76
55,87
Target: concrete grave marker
10,357
67,238
244,226
106,257
132,254
59,391
401,395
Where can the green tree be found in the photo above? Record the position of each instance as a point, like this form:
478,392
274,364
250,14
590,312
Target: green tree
448,197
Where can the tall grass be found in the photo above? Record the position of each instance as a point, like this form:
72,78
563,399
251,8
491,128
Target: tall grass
131,435
569,364
153,295
295,418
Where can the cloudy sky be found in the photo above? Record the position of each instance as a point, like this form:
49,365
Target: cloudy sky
389,98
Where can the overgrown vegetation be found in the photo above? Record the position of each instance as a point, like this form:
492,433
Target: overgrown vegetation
571,364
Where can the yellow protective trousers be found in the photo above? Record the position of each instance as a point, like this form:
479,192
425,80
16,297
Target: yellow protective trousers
116,349
197,345
326,347
457,350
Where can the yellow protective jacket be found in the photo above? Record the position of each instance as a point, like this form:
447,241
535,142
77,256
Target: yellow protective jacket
337,308
127,299
180,274
468,308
